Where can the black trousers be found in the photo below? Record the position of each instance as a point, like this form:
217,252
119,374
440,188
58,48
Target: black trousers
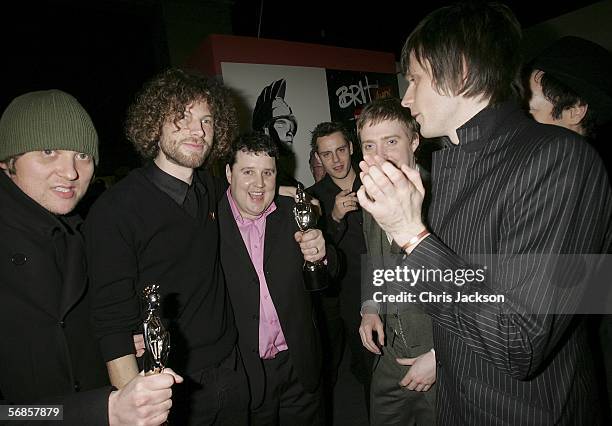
217,395
286,402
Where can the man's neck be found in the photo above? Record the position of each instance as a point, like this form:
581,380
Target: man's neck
347,181
467,110
180,172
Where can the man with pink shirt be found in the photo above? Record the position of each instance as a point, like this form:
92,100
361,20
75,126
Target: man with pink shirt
262,254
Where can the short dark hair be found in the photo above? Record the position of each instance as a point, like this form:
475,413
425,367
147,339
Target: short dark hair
562,97
255,142
165,97
477,40
327,128
387,109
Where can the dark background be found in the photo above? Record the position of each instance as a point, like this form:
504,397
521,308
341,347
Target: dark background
102,51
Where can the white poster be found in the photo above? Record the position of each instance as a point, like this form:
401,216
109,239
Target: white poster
292,101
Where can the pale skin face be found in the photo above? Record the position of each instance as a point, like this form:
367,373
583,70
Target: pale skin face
437,114
541,109
185,145
252,180
55,179
285,129
390,140
335,152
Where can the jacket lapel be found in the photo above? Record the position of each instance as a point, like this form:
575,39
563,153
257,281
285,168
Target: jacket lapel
232,237
75,281
273,229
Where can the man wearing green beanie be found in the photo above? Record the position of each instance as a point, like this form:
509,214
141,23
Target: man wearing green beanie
48,356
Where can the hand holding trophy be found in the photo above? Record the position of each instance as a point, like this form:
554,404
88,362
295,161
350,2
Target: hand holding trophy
156,337
315,273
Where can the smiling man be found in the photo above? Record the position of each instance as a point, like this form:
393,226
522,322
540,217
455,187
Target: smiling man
48,151
159,225
262,253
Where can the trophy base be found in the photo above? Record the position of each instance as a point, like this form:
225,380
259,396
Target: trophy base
315,277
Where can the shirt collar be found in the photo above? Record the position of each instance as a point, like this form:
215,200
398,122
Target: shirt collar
475,133
243,221
173,187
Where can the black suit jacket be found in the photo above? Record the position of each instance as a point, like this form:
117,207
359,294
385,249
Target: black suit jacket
47,350
283,262
519,190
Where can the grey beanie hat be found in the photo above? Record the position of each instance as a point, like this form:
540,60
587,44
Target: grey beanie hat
49,119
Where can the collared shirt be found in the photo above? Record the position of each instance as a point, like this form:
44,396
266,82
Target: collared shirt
183,194
253,231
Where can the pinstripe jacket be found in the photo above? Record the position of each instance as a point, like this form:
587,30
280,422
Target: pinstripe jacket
512,187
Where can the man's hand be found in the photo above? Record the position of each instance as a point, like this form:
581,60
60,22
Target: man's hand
144,401
393,197
139,345
422,373
346,201
311,243
369,324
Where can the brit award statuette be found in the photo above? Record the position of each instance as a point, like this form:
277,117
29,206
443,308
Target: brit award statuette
315,273
156,337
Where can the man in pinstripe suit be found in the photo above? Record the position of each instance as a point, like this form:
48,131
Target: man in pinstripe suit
506,186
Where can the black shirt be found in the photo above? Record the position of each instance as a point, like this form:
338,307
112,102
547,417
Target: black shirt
347,237
139,233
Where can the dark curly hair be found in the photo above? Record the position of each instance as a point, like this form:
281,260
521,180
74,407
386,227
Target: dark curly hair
165,97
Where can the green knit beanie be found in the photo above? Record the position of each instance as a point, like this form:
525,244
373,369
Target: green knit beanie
49,119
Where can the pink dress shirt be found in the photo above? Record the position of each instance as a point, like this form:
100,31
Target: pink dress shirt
271,337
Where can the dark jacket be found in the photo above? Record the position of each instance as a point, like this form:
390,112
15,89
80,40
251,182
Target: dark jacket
519,190
283,263
47,351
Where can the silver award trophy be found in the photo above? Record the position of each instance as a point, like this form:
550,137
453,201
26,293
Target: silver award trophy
156,337
315,273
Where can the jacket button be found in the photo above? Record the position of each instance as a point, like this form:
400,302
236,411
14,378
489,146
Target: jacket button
77,386
19,259
255,351
439,364
255,317
61,324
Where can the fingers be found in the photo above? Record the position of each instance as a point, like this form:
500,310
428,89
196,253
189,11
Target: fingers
369,323
367,341
177,378
381,333
405,361
364,199
312,245
414,177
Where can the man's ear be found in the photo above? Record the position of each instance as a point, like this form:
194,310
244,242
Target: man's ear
318,158
266,131
5,168
350,147
228,173
575,114
415,142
